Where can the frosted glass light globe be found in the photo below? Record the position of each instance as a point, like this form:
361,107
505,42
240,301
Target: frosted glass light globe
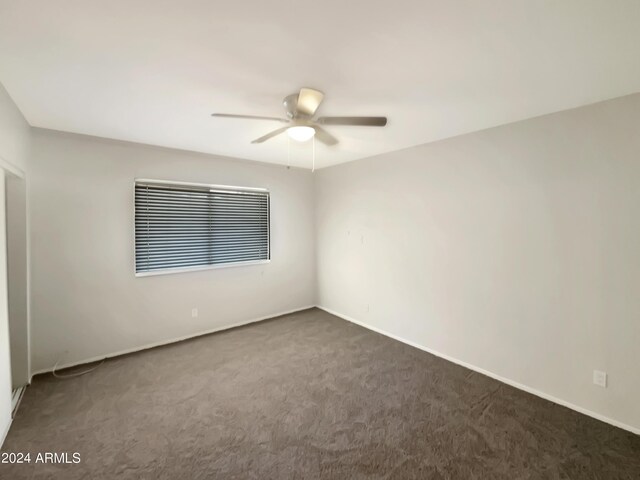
301,133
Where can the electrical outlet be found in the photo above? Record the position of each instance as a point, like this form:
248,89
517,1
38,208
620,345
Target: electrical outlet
194,312
600,378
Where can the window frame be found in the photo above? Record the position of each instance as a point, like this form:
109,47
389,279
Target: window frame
167,271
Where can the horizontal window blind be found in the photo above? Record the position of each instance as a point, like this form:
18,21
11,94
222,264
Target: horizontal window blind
190,226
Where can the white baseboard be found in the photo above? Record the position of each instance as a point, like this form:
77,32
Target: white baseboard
508,381
16,397
482,371
166,342
6,431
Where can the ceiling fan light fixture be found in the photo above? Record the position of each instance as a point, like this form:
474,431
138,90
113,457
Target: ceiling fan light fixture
301,133
302,123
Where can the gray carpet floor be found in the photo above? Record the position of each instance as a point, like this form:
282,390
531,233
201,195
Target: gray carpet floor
307,396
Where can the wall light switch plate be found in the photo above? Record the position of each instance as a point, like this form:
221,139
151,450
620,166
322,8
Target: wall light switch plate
600,378
194,312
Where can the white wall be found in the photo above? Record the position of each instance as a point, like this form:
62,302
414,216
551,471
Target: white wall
86,301
5,362
14,144
14,135
17,274
515,249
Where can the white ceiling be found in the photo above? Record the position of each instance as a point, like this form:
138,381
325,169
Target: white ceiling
153,71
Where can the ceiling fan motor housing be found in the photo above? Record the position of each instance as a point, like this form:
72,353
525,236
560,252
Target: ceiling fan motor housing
290,103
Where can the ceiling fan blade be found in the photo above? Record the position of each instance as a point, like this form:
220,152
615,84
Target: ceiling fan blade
308,101
270,135
325,137
356,121
251,117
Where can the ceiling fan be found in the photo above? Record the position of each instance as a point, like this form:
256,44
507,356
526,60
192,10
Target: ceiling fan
301,122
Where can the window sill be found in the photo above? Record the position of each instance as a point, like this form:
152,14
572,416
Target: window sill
200,268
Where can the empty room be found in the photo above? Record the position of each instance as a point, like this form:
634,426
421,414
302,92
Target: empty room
320,240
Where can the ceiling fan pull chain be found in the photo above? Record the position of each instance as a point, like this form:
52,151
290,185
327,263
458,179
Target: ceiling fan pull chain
288,152
313,154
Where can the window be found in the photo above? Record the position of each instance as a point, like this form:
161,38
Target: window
183,226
